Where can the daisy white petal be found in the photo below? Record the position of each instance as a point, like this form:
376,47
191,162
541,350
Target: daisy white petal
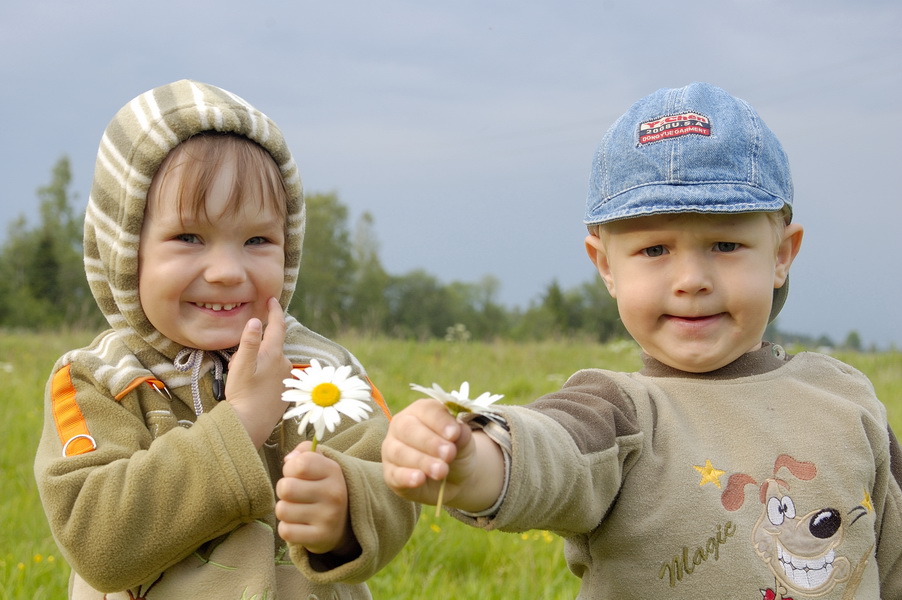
331,418
322,394
298,411
355,409
458,401
463,393
434,392
341,374
486,399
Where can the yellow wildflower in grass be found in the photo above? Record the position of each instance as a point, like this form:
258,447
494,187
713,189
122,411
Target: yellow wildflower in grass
322,394
537,535
457,402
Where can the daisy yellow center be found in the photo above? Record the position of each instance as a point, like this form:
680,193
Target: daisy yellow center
326,394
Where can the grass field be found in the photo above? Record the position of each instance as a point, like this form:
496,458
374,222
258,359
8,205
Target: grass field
444,559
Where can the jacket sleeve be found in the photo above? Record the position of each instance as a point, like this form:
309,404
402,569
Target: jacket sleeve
888,502
570,452
205,481
382,521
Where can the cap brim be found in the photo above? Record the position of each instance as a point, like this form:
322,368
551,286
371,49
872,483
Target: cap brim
663,198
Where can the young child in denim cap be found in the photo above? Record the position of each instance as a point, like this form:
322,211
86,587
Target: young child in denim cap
157,470
725,468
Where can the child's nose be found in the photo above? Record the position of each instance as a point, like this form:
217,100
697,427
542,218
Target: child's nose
224,266
692,277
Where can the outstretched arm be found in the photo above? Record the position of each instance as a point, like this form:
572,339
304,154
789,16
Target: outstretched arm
426,445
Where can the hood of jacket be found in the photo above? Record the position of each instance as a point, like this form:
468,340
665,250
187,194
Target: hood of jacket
133,146
131,151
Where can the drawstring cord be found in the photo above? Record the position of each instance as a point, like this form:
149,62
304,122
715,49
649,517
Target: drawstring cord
191,359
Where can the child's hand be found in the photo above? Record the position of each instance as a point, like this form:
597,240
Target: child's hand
425,445
313,503
256,371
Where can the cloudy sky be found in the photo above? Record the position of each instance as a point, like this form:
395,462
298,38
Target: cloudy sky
466,128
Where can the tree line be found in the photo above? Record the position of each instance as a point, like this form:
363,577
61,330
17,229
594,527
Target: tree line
343,285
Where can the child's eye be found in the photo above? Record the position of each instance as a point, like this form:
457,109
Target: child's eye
654,251
188,238
726,246
256,241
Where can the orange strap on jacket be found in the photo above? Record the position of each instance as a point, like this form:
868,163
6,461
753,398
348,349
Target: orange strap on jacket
70,422
151,381
377,396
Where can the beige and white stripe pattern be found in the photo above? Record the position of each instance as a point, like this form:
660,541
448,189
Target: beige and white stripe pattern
133,146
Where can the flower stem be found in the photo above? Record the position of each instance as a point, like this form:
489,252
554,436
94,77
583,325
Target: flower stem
441,495
455,410
313,446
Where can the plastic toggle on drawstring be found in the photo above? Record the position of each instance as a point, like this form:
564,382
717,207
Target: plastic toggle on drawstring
192,359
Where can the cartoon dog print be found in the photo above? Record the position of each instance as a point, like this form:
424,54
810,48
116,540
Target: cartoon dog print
800,548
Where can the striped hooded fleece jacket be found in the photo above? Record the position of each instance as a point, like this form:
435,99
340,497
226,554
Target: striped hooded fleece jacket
155,490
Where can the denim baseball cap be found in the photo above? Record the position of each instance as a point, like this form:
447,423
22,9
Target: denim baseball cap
692,149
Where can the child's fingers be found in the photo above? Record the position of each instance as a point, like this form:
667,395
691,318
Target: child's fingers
296,533
433,415
420,444
254,341
311,466
401,456
326,487
400,478
313,501
315,538
316,526
245,358
407,467
302,447
274,338
409,435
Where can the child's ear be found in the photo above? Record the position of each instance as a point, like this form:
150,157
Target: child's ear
787,251
598,256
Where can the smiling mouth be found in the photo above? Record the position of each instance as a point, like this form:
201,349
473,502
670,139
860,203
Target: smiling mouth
807,574
693,319
217,307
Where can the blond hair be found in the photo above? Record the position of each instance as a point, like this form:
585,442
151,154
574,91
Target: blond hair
197,159
779,219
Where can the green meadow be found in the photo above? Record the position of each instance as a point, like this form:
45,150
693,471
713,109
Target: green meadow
444,559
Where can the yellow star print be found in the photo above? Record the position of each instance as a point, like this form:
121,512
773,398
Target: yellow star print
709,474
867,502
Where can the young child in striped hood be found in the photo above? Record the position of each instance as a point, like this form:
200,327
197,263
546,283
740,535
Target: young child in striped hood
156,471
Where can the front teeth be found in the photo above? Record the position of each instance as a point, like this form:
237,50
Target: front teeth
216,307
808,574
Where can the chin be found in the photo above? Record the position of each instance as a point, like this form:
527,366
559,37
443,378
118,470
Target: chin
210,345
699,364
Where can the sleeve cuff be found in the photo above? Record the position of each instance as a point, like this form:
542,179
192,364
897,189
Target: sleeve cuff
496,428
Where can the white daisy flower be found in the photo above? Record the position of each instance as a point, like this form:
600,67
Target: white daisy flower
458,401
322,394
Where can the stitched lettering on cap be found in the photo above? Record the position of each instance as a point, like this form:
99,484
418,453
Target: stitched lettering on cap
672,126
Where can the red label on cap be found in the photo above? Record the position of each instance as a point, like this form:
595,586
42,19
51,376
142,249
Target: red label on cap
673,126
